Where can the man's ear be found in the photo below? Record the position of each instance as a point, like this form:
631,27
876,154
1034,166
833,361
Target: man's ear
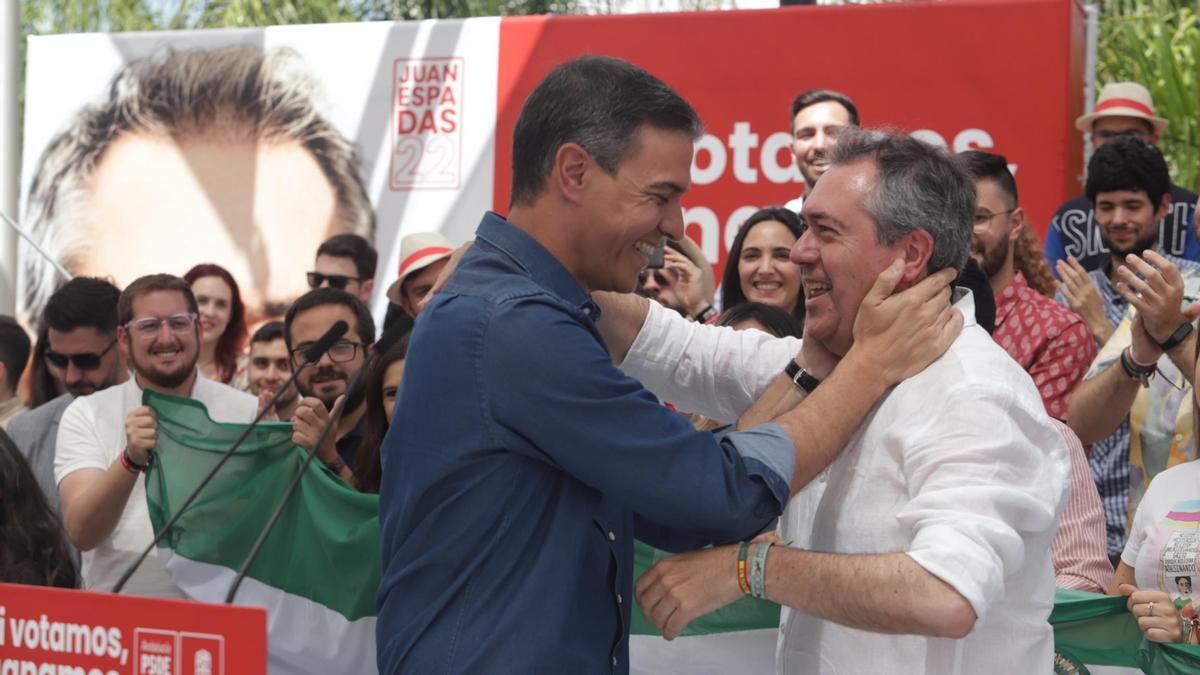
916,248
569,173
1016,224
1164,206
367,287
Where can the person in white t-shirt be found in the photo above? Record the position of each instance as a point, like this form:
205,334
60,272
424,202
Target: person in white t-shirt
106,440
1161,560
925,546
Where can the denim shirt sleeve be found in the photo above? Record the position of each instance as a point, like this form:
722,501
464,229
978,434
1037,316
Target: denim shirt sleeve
551,392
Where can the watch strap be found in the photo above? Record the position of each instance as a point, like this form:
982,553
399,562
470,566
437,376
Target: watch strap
1180,334
801,377
336,465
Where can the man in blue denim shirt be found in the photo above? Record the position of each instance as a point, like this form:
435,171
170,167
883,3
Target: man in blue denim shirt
521,462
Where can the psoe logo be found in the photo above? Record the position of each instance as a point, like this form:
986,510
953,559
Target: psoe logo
427,106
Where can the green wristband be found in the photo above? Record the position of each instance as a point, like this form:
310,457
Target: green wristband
758,570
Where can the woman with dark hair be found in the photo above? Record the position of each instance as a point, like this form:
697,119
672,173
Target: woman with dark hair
382,383
759,268
33,548
224,320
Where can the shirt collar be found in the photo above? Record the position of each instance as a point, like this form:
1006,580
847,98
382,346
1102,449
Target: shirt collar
1013,293
536,261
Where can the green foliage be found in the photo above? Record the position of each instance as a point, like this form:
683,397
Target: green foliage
1155,43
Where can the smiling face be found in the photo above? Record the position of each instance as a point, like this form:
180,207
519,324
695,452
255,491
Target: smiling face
765,269
326,379
839,254
815,131
166,358
215,300
1128,220
269,367
997,226
625,215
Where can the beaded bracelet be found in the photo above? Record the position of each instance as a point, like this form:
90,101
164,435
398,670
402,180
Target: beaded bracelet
758,570
743,580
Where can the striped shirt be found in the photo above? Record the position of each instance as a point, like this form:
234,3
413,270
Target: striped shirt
1078,550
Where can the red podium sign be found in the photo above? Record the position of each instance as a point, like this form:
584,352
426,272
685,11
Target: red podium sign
51,630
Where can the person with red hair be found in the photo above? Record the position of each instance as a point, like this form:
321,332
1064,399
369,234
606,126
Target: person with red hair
223,318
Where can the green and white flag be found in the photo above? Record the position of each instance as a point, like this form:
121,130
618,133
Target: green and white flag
319,570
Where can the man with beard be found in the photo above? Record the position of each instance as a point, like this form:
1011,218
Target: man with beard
324,382
81,318
1052,343
1073,240
106,440
1119,400
818,116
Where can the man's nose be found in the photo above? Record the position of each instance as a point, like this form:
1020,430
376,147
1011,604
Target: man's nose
672,225
804,251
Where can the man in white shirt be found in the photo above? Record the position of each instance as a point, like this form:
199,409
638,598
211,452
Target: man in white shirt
925,546
106,440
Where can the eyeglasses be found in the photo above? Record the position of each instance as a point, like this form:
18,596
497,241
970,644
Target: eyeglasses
148,327
338,281
340,352
983,218
88,361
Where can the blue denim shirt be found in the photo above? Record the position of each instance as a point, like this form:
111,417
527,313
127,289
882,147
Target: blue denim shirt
519,466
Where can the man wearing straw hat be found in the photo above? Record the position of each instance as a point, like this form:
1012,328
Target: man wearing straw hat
422,257
1123,109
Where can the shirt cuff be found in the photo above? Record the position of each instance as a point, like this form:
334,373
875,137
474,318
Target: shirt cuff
767,451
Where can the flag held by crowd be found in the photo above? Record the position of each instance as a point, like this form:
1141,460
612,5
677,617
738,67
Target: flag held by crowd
318,571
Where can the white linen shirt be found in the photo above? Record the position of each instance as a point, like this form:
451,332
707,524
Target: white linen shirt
958,466
91,435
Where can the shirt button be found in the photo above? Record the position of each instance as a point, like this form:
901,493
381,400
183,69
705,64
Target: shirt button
614,662
611,536
618,598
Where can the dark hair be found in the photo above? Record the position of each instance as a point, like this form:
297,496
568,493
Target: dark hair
319,297
354,247
777,322
815,96
233,340
598,102
981,165
43,386
33,548
149,284
268,332
14,349
1128,164
919,187
84,302
732,294
1183,578
369,471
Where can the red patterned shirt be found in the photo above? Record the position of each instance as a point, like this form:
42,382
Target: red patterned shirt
1052,343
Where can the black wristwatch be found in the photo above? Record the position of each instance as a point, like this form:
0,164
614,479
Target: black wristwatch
801,377
336,465
1185,329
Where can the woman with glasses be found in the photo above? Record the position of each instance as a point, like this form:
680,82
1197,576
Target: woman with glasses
759,267
224,320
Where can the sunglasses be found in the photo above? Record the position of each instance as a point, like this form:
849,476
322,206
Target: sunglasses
82,361
338,281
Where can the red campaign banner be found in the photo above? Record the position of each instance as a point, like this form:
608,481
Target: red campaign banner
1004,76
53,630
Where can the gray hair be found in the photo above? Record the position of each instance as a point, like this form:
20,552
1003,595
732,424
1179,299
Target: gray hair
240,91
920,187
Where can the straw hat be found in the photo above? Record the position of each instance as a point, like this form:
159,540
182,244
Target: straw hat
418,251
1123,99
